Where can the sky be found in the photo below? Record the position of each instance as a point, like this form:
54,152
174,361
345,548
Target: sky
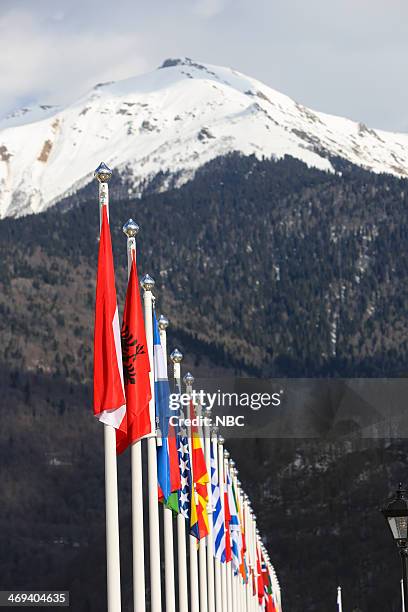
345,57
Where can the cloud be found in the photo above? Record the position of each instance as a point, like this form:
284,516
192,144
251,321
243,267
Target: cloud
344,56
54,64
209,8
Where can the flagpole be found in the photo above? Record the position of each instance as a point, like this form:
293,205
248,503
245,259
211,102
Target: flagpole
249,554
255,549
202,553
170,595
154,534
243,552
217,562
233,577
131,229
194,590
221,459
235,601
176,357
210,510
103,175
339,600
229,565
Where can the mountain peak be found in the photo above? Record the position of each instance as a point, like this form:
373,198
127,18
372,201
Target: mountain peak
172,121
179,61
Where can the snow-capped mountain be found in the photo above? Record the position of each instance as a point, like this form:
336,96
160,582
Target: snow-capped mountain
174,119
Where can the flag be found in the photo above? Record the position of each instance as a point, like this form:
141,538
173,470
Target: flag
172,502
136,366
234,526
199,497
228,550
218,512
162,401
109,395
184,498
260,582
243,570
270,604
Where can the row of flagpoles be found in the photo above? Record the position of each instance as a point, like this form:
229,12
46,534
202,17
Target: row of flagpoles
209,527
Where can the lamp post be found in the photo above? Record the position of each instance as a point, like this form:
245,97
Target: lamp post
396,514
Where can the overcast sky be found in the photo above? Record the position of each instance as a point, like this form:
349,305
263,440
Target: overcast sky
347,57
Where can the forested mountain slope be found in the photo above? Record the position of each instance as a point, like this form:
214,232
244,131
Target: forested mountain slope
264,268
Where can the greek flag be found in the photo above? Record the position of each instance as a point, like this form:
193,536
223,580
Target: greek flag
218,511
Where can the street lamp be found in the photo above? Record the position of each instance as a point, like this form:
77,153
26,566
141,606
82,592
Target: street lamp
396,513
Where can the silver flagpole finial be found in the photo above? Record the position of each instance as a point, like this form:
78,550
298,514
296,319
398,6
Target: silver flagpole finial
147,282
176,356
163,322
131,228
226,454
221,440
188,379
103,173
232,463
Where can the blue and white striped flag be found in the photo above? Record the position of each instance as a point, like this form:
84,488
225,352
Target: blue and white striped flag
218,510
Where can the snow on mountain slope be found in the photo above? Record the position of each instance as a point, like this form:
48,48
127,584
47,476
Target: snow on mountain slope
175,119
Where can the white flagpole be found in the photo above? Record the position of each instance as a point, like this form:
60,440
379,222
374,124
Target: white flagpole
234,578
210,509
176,357
103,175
194,590
339,601
210,537
202,554
244,554
223,455
217,563
402,595
170,595
255,554
249,559
154,534
202,560
229,565
131,229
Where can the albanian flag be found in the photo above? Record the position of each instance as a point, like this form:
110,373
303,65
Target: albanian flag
136,367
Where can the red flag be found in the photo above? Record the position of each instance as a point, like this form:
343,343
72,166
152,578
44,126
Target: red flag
199,499
260,581
136,366
270,604
109,397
